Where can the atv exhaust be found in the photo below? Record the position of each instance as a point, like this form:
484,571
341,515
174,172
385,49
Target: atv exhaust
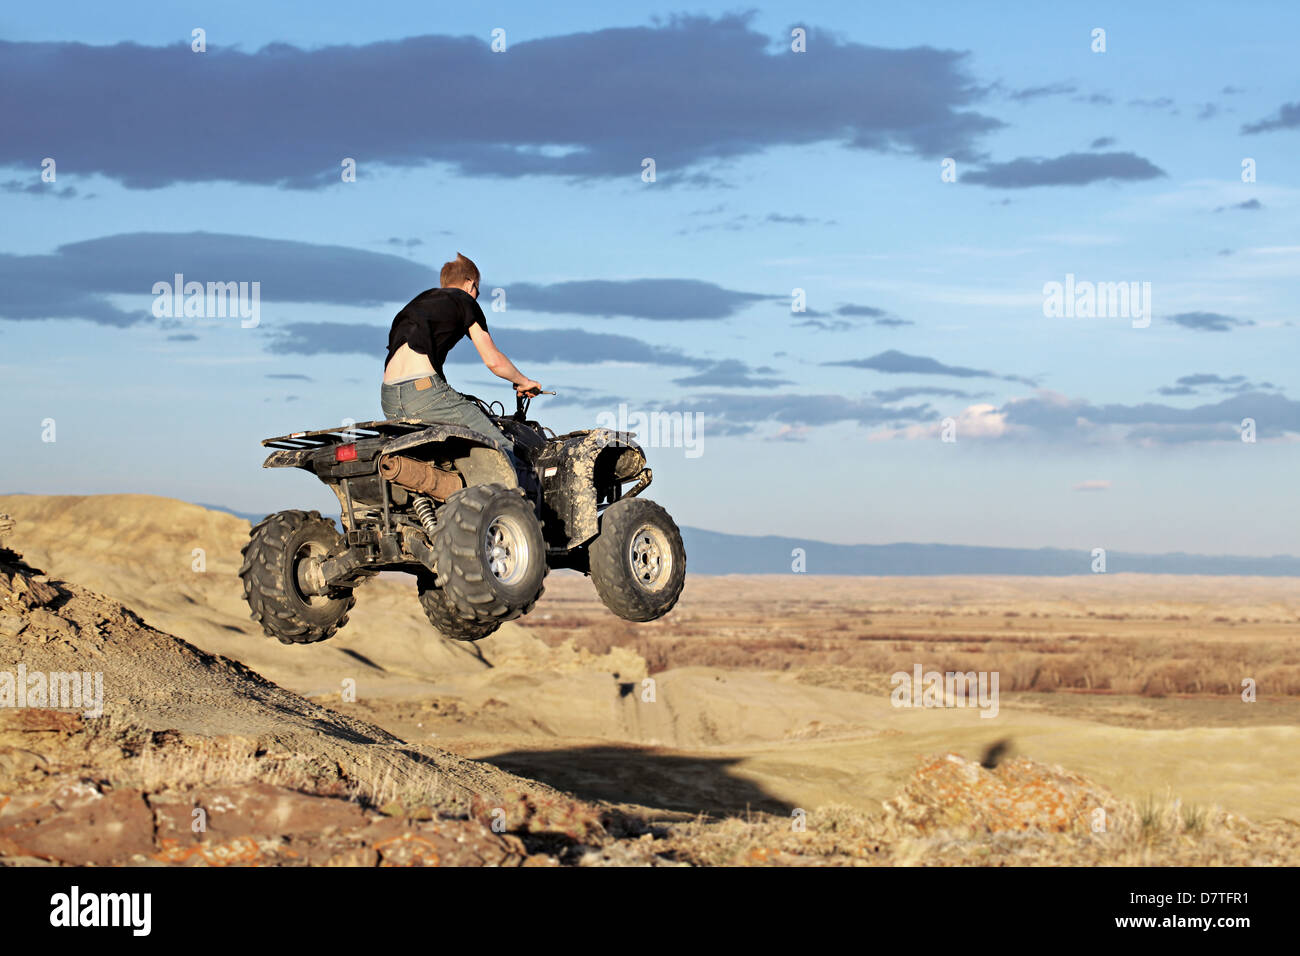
419,476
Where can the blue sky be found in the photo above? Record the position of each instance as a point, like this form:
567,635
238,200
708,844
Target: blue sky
775,171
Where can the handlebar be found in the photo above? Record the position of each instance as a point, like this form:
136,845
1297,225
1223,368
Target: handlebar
522,403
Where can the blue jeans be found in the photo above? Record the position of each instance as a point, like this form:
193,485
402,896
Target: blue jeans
430,399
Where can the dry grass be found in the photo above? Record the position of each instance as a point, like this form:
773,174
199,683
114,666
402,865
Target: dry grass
1146,644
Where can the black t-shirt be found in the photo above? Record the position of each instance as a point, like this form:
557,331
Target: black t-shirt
433,322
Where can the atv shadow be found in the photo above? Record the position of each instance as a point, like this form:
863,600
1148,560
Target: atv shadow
643,776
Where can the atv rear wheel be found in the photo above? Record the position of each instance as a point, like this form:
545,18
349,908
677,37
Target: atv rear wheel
638,561
442,613
277,560
490,554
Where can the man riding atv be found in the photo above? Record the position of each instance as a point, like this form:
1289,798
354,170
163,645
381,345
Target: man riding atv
421,336
478,506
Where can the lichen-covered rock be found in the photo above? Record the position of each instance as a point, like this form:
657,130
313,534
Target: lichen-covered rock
951,792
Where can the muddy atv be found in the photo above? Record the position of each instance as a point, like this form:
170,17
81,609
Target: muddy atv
442,503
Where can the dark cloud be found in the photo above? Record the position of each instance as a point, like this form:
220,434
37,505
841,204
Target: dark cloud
1208,321
745,221
1207,111
733,373
74,281
1072,169
1273,415
866,311
788,409
1188,384
877,316
1102,142
183,337
1249,204
290,376
1096,99
39,188
894,362
636,298
1287,117
720,90
574,346
899,394
1037,92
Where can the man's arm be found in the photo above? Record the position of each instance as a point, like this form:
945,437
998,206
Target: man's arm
498,364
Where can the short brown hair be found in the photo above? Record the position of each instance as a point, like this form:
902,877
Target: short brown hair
457,272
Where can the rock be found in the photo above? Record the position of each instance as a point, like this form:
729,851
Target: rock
949,791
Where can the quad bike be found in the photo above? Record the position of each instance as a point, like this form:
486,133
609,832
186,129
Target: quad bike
441,502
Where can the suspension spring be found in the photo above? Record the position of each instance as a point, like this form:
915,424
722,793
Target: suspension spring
424,511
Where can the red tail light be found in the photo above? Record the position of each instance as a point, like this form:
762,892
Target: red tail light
345,453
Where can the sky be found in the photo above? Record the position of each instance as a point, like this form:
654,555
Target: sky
824,233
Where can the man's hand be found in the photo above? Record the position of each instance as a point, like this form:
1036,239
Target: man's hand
528,388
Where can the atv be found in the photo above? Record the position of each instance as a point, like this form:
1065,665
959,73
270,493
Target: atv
480,535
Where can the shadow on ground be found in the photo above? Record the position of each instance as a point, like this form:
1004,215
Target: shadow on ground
642,776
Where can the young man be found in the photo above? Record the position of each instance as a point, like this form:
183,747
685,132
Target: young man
422,335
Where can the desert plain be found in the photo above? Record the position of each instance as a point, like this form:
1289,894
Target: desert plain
1140,719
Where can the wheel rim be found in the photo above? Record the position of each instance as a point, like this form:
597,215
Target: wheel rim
651,557
505,549
308,557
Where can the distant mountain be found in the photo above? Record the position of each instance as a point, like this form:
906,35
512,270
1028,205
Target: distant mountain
713,552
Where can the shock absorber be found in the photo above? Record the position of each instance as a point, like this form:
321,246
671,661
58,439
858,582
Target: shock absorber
424,511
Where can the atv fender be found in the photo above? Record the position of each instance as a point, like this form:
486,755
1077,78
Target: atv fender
569,478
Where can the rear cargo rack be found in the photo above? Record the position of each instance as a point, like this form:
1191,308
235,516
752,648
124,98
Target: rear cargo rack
323,438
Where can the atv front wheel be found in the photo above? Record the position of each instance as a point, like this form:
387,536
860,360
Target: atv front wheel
490,554
277,562
442,613
638,562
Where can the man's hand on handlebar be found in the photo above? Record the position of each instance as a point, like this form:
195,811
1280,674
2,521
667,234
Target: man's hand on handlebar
528,389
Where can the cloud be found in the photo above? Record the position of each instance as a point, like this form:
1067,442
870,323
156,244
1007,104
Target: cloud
1093,484
744,221
1250,204
733,373
183,337
790,433
290,376
1156,103
569,346
1036,92
74,281
722,89
39,188
745,411
1208,321
1287,117
1102,142
1053,415
975,421
866,311
1188,384
894,362
663,299
899,394
878,317
1072,169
